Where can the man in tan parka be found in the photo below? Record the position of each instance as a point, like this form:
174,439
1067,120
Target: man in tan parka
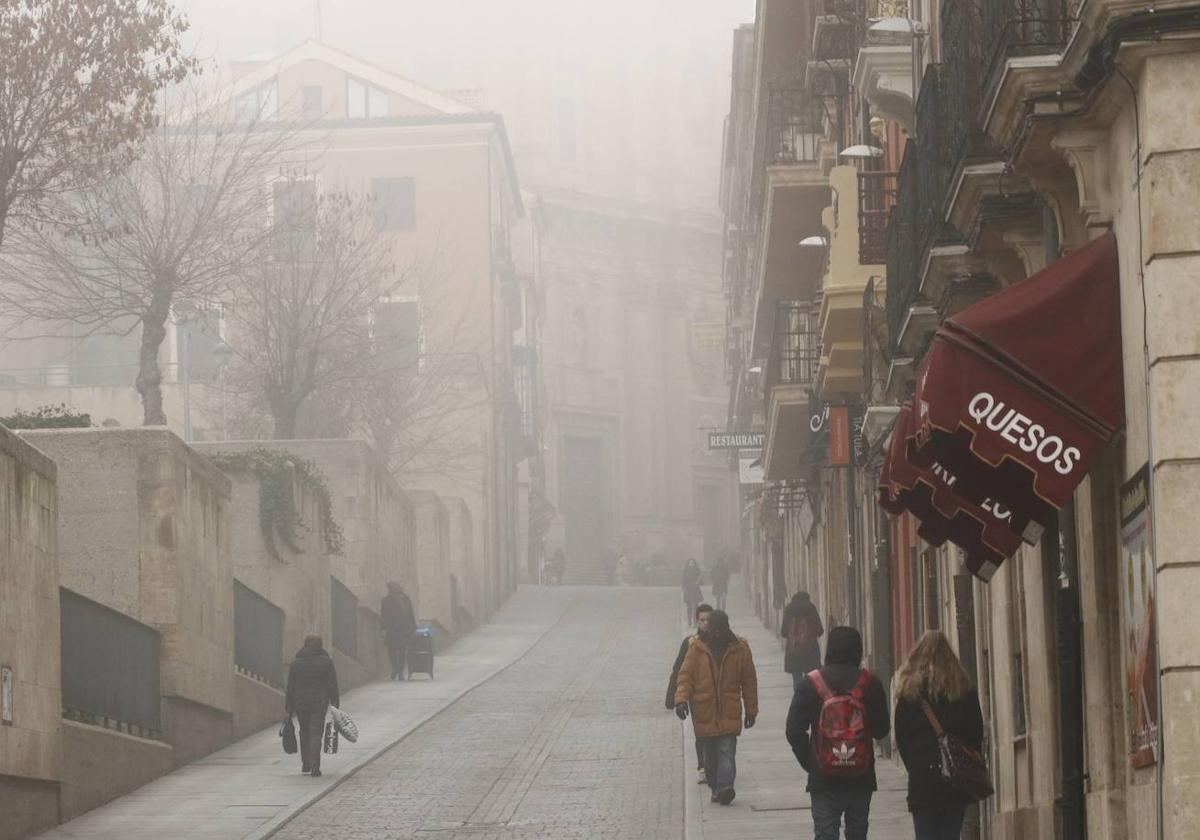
718,680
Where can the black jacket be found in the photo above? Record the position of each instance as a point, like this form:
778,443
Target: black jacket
398,618
841,672
805,660
673,682
312,681
919,749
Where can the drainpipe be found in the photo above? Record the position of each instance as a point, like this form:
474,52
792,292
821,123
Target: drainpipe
1068,627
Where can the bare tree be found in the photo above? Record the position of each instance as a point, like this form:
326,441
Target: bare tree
300,320
78,82
170,232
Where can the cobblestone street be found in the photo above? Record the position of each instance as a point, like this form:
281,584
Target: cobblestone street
571,741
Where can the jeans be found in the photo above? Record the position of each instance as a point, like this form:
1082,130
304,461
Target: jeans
720,761
398,656
940,823
312,729
828,806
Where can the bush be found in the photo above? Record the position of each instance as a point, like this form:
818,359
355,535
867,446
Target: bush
48,417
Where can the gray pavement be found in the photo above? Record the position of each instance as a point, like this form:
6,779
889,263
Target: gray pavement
572,741
247,790
771,801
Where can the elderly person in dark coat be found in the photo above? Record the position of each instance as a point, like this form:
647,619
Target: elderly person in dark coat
399,622
312,687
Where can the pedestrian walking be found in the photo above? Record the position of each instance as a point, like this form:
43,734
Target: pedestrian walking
312,688
558,566
801,629
692,593
836,714
719,687
720,583
702,613
932,686
399,622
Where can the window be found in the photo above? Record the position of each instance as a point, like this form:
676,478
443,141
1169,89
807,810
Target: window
364,101
398,334
294,211
310,103
395,203
262,103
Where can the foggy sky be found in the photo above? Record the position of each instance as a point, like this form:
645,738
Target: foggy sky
650,77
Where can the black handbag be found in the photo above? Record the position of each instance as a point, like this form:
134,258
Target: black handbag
963,768
287,731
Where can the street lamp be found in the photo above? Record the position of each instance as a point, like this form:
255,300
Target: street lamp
815,241
861,151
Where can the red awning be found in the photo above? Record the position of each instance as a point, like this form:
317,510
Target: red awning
1021,390
983,531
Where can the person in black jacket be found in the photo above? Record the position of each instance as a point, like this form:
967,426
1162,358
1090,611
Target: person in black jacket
934,675
801,629
834,797
702,613
312,688
399,622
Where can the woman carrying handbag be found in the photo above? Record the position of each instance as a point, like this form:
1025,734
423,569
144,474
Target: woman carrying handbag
939,732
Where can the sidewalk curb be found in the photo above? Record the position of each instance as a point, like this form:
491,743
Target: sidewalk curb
271,828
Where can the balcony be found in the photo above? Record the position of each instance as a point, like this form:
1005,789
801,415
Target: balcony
791,371
794,126
876,198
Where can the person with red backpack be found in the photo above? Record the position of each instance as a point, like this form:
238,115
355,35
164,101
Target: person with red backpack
801,629
837,713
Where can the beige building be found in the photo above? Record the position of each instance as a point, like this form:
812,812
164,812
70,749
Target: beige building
633,347
1005,138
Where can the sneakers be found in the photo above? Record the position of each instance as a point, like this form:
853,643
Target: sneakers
316,773
713,798
701,778
305,769
725,796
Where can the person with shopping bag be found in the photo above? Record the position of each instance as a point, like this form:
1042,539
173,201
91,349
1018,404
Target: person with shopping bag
312,687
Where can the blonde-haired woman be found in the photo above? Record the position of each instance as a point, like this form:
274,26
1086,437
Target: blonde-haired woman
934,675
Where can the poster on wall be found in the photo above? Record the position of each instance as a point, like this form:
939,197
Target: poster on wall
1137,604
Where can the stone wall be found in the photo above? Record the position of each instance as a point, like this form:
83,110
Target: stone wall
256,706
101,765
30,765
145,531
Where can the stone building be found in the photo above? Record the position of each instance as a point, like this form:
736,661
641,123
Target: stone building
1048,536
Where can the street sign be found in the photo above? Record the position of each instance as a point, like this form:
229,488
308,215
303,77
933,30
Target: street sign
736,440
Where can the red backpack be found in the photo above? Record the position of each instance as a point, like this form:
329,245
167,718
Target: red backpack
842,737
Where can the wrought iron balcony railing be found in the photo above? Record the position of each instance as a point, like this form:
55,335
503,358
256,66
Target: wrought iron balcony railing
1024,27
795,345
876,197
903,250
794,125
962,79
838,30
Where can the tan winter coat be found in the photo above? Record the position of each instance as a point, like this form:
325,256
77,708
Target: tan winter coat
717,691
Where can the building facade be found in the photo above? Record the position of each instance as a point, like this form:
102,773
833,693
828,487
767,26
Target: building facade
1011,142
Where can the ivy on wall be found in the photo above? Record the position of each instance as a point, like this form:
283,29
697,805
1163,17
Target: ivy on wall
278,516
48,417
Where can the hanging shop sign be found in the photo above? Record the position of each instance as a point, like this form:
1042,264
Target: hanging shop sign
736,440
1138,614
750,468
1020,391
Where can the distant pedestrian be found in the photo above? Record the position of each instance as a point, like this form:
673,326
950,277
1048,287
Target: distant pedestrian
312,688
719,686
399,622
622,570
692,593
558,566
720,583
702,613
801,629
837,712
933,679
